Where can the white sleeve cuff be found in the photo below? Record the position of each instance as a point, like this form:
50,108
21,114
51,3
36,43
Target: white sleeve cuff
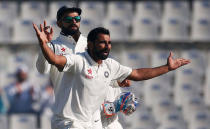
69,63
125,75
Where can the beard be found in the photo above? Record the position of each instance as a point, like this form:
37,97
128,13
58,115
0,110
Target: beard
69,31
100,54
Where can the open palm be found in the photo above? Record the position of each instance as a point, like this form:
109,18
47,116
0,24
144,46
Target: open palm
43,35
176,63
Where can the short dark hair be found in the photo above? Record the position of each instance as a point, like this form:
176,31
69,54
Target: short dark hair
93,34
65,9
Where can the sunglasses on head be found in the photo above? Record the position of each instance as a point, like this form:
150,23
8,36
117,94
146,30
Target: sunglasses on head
69,19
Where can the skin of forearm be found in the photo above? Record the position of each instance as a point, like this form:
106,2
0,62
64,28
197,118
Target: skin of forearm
53,59
148,73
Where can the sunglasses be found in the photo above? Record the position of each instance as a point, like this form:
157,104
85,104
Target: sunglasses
69,19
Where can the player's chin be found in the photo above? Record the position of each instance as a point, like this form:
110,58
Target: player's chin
104,56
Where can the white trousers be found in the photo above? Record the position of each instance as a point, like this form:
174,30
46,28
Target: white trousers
61,123
97,123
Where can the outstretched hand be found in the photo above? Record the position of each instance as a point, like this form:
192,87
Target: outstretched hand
125,83
43,35
176,63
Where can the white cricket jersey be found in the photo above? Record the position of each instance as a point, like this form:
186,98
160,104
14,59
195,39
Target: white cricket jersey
84,86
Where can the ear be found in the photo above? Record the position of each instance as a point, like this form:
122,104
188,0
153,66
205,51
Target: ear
59,24
90,45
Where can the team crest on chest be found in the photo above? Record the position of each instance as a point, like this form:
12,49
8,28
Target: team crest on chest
106,74
89,71
89,74
63,49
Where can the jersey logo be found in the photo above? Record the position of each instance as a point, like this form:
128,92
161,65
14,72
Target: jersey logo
89,71
89,75
106,74
63,49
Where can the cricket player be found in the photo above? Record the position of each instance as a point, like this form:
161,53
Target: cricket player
69,41
87,75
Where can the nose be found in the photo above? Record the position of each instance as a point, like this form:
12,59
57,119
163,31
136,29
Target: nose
74,21
106,45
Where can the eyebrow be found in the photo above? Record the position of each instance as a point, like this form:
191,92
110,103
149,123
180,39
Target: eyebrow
103,41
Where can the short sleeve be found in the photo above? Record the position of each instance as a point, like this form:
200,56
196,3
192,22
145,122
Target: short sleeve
70,62
42,64
119,71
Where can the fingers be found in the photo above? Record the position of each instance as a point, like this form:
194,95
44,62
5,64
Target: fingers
46,27
45,23
125,83
41,28
36,28
171,54
183,61
51,30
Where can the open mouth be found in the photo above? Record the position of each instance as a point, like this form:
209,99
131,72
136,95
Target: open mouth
106,52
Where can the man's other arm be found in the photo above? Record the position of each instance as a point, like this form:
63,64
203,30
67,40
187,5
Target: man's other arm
148,73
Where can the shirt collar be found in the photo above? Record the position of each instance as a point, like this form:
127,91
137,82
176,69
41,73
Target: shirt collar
68,38
91,61
81,39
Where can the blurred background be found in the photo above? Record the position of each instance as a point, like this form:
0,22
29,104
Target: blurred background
143,32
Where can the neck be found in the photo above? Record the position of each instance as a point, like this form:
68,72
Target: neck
76,36
99,61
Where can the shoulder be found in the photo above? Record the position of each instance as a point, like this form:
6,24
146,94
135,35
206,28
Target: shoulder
83,38
78,56
62,47
111,61
56,42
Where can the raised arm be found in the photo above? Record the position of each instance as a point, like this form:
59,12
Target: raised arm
58,61
148,73
42,64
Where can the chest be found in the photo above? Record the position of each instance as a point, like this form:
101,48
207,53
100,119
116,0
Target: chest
95,80
69,49
95,75
64,49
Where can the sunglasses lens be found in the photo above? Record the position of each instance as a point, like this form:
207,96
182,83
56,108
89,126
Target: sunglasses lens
77,18
70,19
